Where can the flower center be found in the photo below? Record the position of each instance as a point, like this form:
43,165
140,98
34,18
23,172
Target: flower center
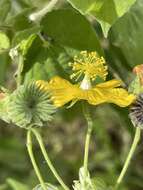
88,64
85,84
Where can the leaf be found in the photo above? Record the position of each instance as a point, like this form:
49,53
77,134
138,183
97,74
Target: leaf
4,42
85,7
126,36
35,59
39,3
60,42
45,63
19,36
100,10
4,60
16,185
21,21
26,44
48,185
70,29
4,9
3,108
99,184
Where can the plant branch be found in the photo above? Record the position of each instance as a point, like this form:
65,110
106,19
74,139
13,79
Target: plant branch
48,161
130,155
31,155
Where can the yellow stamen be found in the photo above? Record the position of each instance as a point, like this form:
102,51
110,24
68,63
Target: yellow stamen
89,64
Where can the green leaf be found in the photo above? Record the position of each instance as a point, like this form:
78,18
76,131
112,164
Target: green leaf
70,29
21,21
19,36
16,185
35,61
3,108
126,36
38,3
4,9
26,44
48,185
99,184
105,11
4,42
43,62
4,61
86,7
60,42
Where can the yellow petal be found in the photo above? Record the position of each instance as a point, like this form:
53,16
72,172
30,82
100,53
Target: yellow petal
110,84
117,96
62,91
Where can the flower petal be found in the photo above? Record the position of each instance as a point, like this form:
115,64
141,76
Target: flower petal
117,96
110,84
62,90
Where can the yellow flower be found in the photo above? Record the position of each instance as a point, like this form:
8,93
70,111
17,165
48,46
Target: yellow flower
91,66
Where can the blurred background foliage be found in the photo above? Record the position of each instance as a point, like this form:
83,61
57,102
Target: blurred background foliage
112,28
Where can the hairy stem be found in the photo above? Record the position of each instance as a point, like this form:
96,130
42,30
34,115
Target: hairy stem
129,157
31,155
48,161
88,136
19,70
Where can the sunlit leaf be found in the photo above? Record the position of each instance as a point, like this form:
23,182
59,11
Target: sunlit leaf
4,42
105,11
21,35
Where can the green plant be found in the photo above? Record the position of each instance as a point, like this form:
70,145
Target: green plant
41,44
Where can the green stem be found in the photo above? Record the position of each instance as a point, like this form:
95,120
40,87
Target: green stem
88,136
130,155
30,151
19,70
48,161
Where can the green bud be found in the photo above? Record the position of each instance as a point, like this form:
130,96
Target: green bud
28,106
